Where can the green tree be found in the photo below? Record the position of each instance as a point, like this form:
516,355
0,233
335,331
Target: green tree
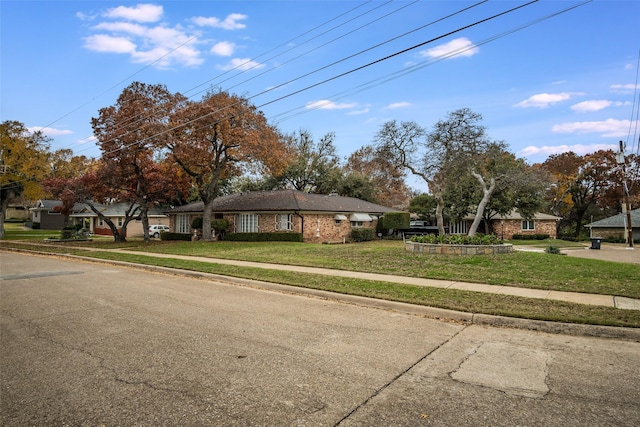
24,162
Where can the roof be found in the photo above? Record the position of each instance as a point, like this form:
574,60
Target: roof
617,221
285,201
515,215
112,210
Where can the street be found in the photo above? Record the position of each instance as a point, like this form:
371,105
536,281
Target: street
89,344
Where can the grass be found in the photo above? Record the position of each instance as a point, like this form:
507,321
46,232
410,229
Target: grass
524,269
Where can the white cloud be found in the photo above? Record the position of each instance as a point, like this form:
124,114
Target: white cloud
242,64
123,27
596,105
456,47
580,149
324,104
607,128
229,23
110,44
544,100
49,131
396,105
626,88
358,112
138,13
223,49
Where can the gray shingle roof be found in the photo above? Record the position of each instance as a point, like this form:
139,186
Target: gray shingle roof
617,221
286,201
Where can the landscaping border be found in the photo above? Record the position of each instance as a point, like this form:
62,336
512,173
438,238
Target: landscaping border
443,249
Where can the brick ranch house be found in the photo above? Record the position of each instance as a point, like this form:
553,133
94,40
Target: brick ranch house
319,218
505,226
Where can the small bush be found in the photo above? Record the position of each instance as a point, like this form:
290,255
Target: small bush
362,234
554,250
539,236
175,236
263,237
197,223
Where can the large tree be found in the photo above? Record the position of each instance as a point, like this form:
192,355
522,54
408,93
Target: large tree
131,134
455,153
583,186
24,162
387,178
215,138
313,167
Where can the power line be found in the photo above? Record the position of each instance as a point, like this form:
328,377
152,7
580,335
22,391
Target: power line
131,119
334,77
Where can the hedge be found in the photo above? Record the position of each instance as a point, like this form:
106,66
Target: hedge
175,236
362,234
263,237
530,237
395,220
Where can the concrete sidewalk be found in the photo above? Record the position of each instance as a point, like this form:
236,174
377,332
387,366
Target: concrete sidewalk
574,297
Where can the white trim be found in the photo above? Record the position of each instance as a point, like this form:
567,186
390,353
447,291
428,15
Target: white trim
361,217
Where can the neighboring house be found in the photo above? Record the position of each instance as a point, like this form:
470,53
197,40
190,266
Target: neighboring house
319,218
15,211
616,226
505,226
44,213
116,213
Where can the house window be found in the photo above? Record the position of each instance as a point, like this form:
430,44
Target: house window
459,227
182,224
528,224
357,224
101,222
119,221
283,222
247,223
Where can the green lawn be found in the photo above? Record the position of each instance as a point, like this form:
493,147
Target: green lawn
524,269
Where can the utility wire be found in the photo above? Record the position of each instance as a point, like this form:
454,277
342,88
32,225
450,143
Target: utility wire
131,119
427,63
328,79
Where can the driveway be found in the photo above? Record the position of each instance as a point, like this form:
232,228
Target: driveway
96,344
608,252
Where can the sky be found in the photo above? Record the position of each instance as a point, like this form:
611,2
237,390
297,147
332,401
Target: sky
546,80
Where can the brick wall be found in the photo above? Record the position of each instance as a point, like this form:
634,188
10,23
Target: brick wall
511,227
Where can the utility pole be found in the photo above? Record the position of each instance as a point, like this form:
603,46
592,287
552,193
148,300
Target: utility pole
625,194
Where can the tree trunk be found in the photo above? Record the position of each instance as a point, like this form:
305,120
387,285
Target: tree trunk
207,235
144,216
486,196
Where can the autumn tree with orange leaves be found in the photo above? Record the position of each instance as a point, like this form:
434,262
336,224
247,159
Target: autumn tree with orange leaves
219,137
131,135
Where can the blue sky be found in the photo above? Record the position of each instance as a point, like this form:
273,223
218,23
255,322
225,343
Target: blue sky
544,84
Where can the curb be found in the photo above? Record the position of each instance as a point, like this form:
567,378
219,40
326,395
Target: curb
574,329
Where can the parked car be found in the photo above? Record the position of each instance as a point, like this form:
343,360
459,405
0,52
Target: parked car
155,230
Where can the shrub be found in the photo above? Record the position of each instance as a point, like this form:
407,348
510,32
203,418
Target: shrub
220,225
362,234
395,220
553,250
263,237
530,236
175,236
197,223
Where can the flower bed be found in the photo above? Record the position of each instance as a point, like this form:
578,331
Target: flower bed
448,249
457,245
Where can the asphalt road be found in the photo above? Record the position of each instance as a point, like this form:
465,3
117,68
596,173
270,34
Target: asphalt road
86,344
